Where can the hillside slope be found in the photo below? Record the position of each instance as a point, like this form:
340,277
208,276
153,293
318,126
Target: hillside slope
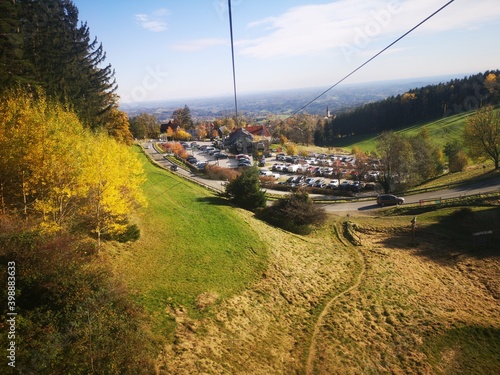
441,132
308,304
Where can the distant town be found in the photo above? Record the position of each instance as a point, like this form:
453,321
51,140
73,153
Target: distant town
284,102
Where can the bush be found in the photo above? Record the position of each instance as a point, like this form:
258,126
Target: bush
73,317
218,173
458,162
296,213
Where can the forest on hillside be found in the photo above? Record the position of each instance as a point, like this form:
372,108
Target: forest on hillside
415,106
44,47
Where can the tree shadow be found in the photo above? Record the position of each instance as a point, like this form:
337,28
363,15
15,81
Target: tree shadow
215,200
464,232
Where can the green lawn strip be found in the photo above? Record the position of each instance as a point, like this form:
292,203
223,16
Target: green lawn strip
191,242
465,350
441,131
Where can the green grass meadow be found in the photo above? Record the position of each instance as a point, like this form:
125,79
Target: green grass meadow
192,242
441,132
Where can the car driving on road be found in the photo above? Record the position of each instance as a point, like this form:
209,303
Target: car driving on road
389,199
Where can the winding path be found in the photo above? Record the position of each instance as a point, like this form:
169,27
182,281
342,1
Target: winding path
312,348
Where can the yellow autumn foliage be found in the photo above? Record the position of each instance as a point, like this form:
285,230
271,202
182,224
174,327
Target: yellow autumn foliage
55,171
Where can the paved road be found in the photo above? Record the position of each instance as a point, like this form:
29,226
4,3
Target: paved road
344,207
488,186
160,160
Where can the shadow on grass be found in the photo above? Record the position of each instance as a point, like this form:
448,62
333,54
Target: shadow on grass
215,200
475,350
453,235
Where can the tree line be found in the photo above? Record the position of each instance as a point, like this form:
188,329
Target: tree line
415,106
43,45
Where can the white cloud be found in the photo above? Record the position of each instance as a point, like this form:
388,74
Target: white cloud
199,44
310,29
153,22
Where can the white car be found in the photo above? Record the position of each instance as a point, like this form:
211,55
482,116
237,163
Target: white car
333,184
268,173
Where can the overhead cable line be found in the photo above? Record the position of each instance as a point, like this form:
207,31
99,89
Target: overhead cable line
234,70
369,60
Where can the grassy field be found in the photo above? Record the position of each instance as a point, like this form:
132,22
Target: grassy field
441,132
231,295
194,248
386,307
431,307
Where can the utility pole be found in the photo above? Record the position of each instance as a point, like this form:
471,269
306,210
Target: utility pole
413,227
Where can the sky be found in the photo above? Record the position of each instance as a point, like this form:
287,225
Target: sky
180,49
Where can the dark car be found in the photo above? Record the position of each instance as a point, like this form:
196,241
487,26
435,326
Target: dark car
174,167
389,199
221,155
244,163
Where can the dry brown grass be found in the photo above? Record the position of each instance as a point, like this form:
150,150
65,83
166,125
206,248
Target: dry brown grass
400,301
405,303
266,329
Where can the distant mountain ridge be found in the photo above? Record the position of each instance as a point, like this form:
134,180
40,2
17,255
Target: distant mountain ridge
283,102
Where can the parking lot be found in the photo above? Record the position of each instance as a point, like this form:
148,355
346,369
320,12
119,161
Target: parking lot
322,172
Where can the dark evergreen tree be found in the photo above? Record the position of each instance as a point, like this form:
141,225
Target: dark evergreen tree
245,190
12,65
182,118
44,45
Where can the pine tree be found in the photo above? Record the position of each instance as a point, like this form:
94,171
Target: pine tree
52,50
12,65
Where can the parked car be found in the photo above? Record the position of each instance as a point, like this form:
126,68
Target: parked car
292,168
201,164
221,155
346,185
268,173
244,163
174,167
389,199
319,183
357,186
278,167
309,181
213,152
333,184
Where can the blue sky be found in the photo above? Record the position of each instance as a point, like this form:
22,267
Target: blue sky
173,49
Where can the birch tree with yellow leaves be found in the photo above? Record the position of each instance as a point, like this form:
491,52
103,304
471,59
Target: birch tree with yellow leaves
55,172
111,180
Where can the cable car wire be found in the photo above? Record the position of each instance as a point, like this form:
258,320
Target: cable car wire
369,60
234,70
